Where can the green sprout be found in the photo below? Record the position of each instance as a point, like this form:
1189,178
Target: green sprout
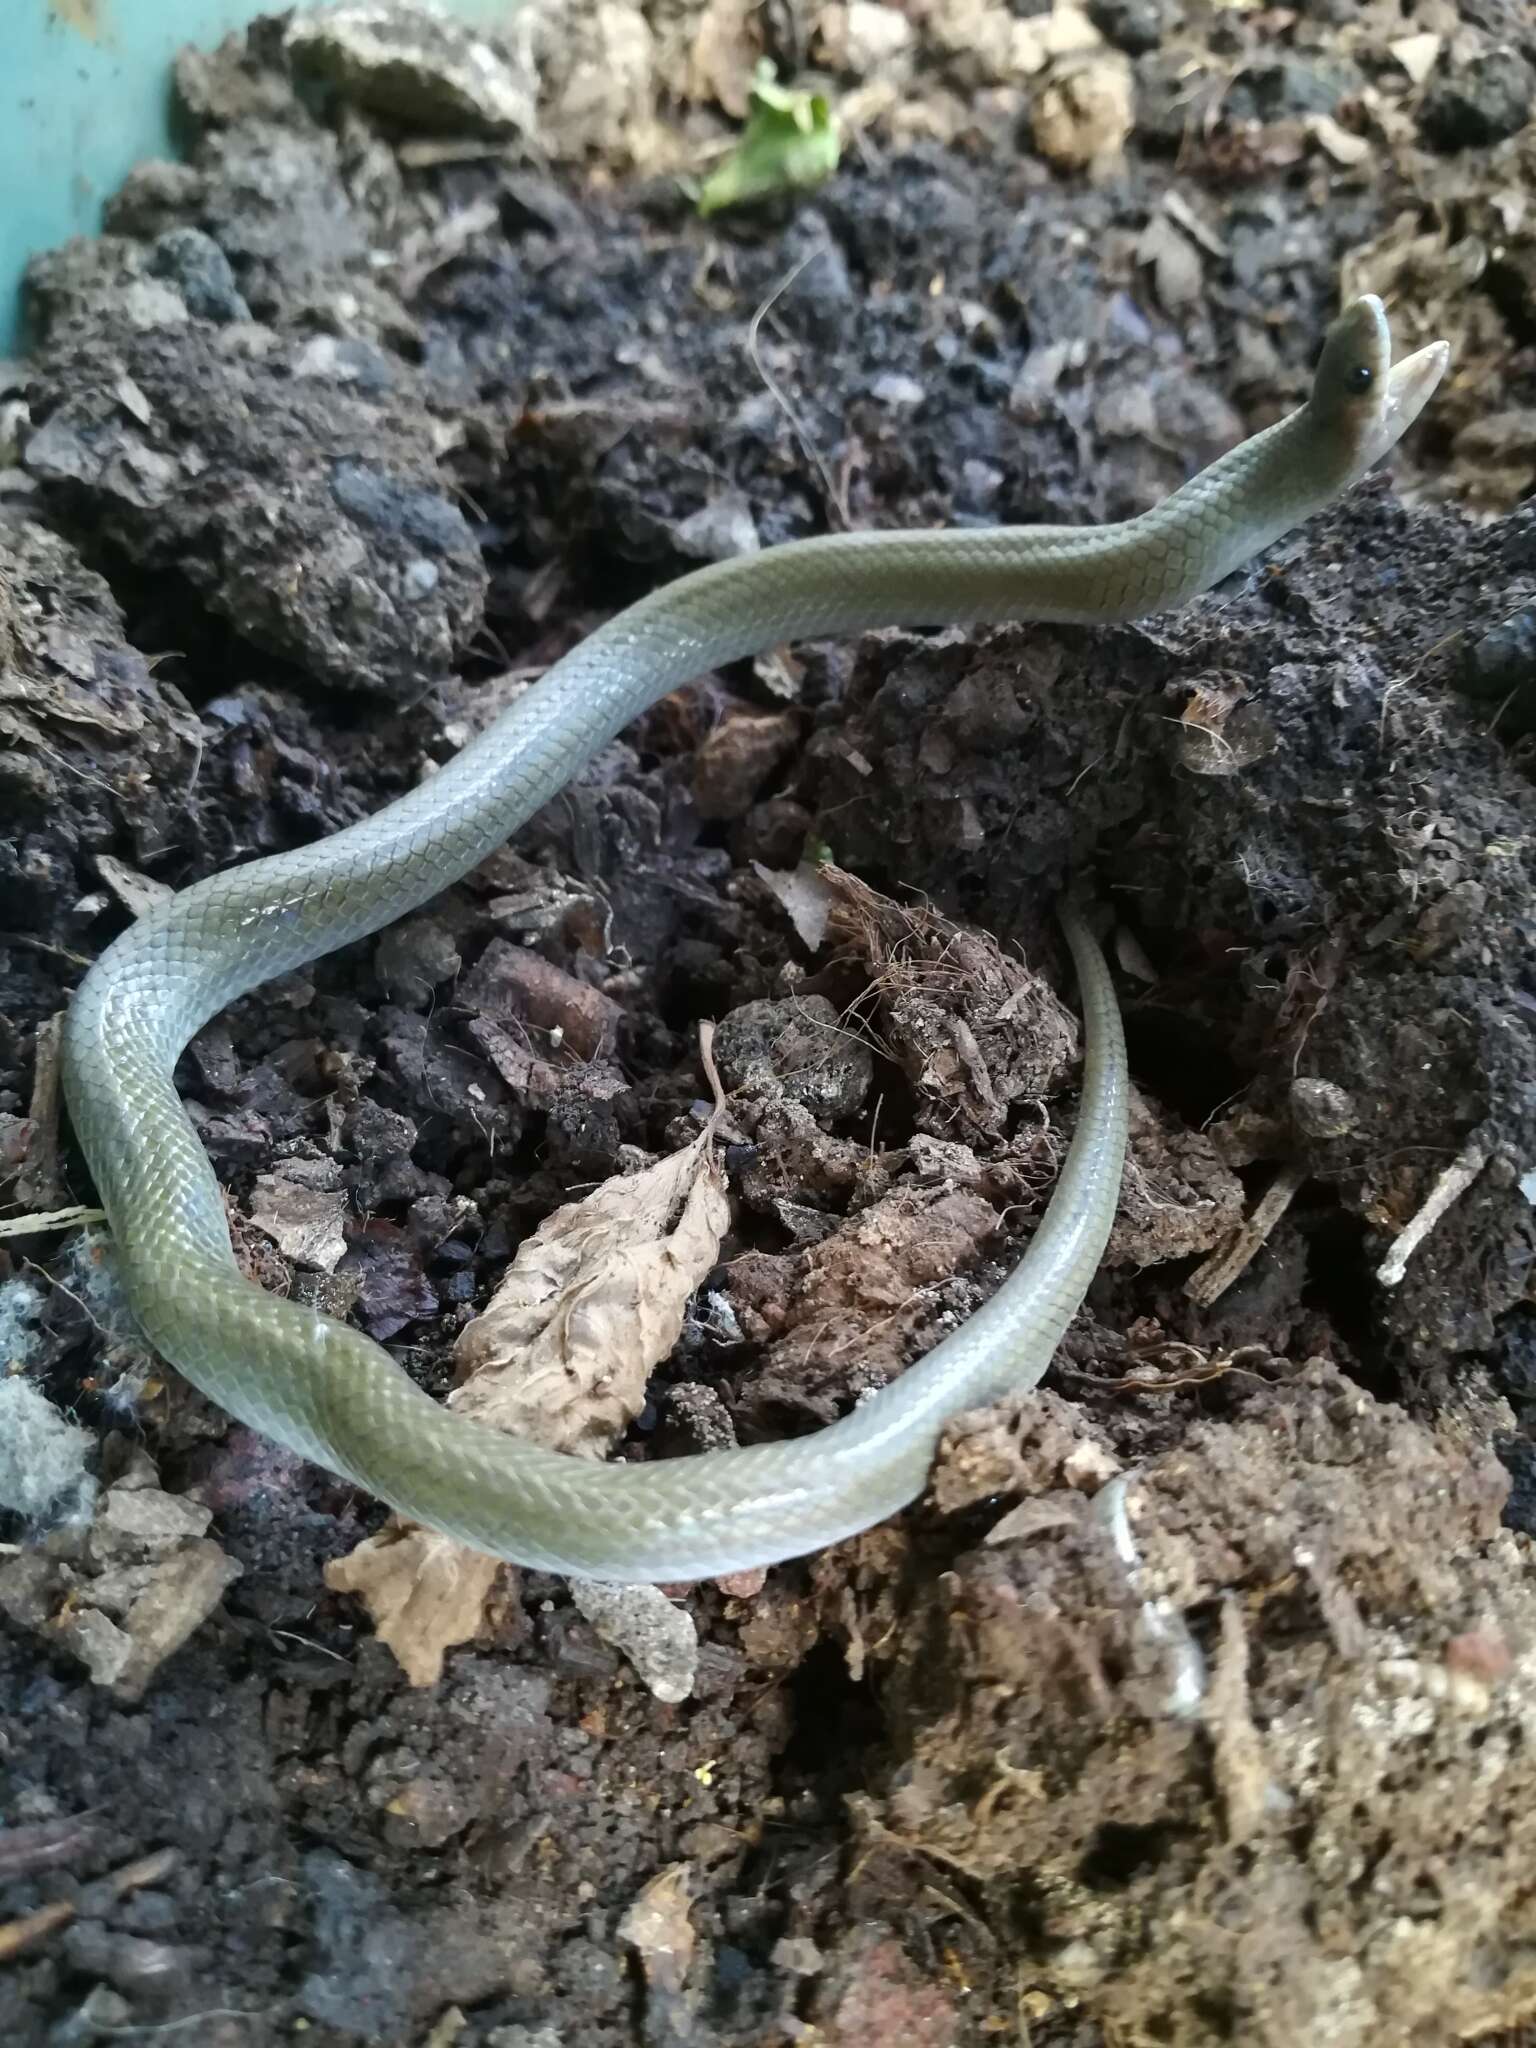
790,144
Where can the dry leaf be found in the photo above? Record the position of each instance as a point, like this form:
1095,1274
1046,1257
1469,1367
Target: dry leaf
592,1303
658,1929
1221,733
308,1225
723,56
425,1593
1179,210
1418,55
136,892
807,898
1177,272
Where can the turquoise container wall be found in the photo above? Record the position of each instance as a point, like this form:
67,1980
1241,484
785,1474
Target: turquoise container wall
84,96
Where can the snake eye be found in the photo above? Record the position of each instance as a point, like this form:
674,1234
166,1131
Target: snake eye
1361,377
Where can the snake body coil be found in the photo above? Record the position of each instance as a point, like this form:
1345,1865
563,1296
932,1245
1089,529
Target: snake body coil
329,1392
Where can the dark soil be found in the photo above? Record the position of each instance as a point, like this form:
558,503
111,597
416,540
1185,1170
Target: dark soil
327,448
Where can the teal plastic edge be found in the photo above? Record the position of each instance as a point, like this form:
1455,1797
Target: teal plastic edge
85,94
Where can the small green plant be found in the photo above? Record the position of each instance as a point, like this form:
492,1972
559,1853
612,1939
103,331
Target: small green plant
790,144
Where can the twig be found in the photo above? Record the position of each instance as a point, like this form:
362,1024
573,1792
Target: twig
1209,1282
49,1219
42,946
835,497
711,1071
1449,1188
38,1184
17,1935
145,2028
46,1844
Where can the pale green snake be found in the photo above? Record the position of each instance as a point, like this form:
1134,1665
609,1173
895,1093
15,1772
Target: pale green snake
335,1396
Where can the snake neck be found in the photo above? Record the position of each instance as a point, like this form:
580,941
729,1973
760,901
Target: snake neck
1239,506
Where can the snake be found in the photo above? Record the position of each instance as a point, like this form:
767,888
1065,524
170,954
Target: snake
327,1391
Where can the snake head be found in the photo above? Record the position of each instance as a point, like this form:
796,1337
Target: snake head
1364,400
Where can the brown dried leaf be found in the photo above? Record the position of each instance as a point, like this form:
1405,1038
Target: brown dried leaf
593,1302
425,1593
1221,733
561,1355
658,1929
723,56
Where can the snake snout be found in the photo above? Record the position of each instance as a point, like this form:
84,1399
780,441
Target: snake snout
1363,400
1410,386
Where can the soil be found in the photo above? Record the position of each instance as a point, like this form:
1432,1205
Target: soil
1195,1703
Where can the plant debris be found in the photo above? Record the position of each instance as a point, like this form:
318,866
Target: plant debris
792,144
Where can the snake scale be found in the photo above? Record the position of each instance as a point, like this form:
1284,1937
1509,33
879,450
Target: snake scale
332,1394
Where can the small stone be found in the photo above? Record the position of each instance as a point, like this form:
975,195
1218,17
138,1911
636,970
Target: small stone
1134,26
139,1521
414,67
773,832
102,2013
1321,1109
895,390
660,1640
1481,1654
1481,101
146,1970
737,757
799,1955
718,531
399,510
199,269
1089,1466
796,1050
31,1588
743,1585
1286,87
430,1810
414,958
1500,668
346,359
